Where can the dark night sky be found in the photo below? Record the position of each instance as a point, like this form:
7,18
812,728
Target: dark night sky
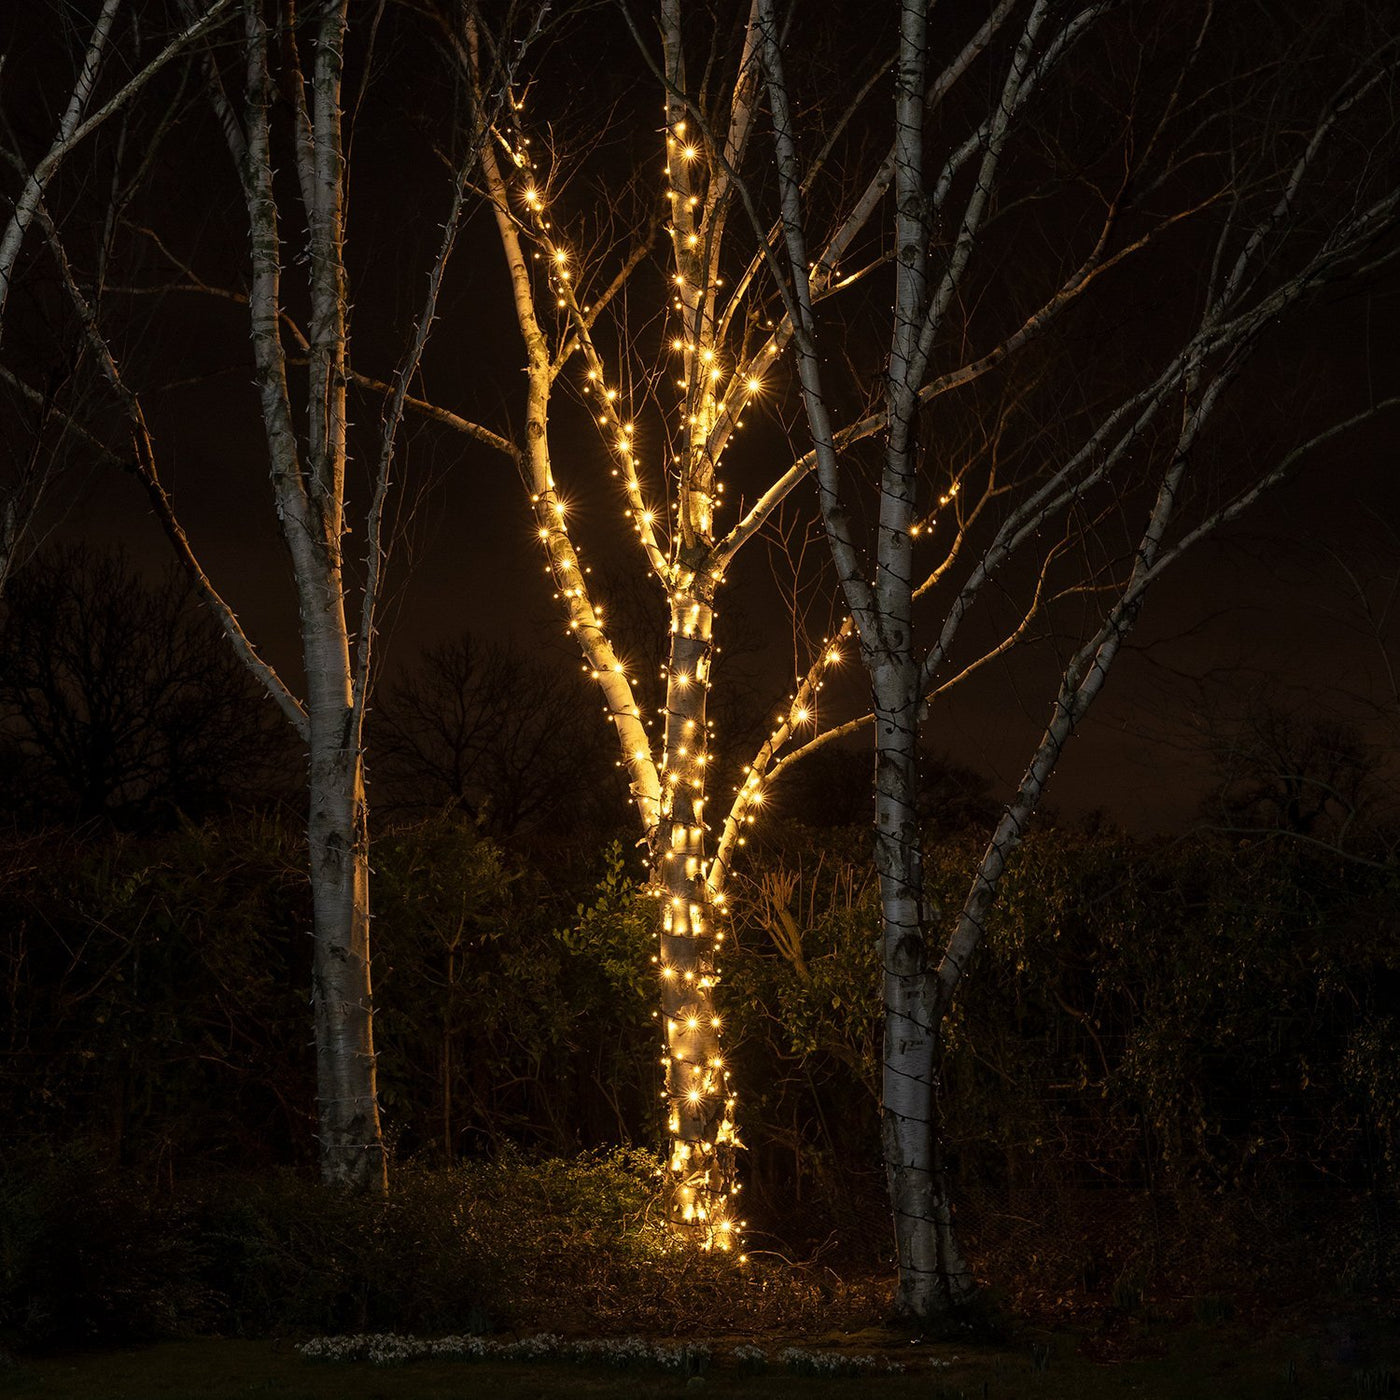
1262,611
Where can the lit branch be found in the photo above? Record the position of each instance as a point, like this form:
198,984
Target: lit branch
800,711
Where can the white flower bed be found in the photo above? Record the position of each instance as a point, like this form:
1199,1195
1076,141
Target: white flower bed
384,1348
819,1363
685,1358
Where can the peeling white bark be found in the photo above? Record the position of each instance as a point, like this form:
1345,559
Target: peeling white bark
882,580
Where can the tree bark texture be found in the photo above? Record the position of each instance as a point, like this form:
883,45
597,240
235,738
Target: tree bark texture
699,1102
309,486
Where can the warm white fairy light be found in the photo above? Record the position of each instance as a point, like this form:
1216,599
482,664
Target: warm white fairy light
698,1093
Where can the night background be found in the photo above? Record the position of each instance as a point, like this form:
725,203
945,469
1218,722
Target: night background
1167,1093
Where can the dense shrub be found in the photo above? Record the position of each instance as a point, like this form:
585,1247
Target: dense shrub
1169,1062
155,995
91,1255
513,1003
87,1254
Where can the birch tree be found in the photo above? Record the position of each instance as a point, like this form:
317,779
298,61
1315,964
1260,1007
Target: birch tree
1253,189
693,357
668,408
284,93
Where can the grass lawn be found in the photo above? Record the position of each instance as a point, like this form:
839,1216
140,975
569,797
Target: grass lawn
1160,1362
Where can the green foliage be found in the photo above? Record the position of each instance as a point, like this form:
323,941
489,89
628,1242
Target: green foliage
506,1013
1168,1065
1159,1054
90,1255
154,994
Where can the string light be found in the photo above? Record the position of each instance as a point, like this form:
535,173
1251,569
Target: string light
699,1096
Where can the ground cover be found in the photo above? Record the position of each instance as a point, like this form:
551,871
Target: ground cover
1157,1359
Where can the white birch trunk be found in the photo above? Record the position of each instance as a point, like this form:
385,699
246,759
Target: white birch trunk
932,1276
347,1110
699,1102
310,497
669,791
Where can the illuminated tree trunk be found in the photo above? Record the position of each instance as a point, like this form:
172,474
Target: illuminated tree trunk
669,789
700,1106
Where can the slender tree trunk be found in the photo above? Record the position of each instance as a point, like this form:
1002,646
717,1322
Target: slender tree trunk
670,796
907,1090
30,197
932,1276
352,1149
700,1105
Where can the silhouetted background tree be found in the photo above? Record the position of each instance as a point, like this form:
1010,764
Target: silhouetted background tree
121,702
1291,772
510,740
